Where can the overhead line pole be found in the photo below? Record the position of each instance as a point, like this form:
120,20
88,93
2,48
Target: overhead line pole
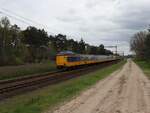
112,47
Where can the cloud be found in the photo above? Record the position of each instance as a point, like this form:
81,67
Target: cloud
96,21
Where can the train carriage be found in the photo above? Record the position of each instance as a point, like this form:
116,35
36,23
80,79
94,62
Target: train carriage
68,59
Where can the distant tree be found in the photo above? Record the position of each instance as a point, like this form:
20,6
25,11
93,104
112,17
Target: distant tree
81,46
5,40
75,47
70,45
16,37
101,49
108,52
137,43
87,49
93,50
59,42
35,39
146,49
51,51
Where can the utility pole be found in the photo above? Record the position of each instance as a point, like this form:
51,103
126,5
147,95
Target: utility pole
112,47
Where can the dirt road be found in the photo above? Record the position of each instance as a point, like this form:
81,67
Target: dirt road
125,91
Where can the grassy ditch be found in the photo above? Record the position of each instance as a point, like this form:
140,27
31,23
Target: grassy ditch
145,65
51,96
11,72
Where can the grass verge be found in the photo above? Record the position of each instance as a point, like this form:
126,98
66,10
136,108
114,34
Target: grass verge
51,96
145,66
11,72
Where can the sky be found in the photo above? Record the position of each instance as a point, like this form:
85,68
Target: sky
108,22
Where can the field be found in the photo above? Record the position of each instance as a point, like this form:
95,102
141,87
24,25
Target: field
145,65
50,97
10,72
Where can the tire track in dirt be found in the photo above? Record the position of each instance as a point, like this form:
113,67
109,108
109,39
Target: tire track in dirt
114,96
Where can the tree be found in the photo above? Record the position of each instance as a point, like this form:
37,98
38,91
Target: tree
51,51
5,40
81,46
146,49
59,42
16,37
93,50
137,43
35,39
70,45
108,52
73,45
101,49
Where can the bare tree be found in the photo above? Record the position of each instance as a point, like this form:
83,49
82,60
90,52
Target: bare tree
137,43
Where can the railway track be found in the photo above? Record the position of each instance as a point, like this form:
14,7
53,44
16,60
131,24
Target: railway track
14,87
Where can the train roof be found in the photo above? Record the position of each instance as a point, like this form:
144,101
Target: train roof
66,53
70,53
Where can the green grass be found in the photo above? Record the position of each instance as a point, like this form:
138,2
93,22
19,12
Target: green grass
145,65
51,96
11,72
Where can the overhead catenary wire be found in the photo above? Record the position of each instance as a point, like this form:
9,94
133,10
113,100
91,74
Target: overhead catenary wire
13,17
22,19
6,10
28,21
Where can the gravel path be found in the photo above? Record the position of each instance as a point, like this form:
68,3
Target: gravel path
125,91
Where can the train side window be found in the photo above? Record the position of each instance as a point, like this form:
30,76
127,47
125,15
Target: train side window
73,59
69,59
78,59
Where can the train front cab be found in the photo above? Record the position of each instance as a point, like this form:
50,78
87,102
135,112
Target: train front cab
61,61
68,61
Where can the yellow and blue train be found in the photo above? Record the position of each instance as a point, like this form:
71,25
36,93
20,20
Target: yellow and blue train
68,59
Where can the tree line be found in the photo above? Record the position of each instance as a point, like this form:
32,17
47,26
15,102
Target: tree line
140,44
35,45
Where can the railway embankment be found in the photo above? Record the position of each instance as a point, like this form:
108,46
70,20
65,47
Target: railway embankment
12,72
51,96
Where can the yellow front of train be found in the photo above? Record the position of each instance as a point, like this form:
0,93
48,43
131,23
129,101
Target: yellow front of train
61,61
